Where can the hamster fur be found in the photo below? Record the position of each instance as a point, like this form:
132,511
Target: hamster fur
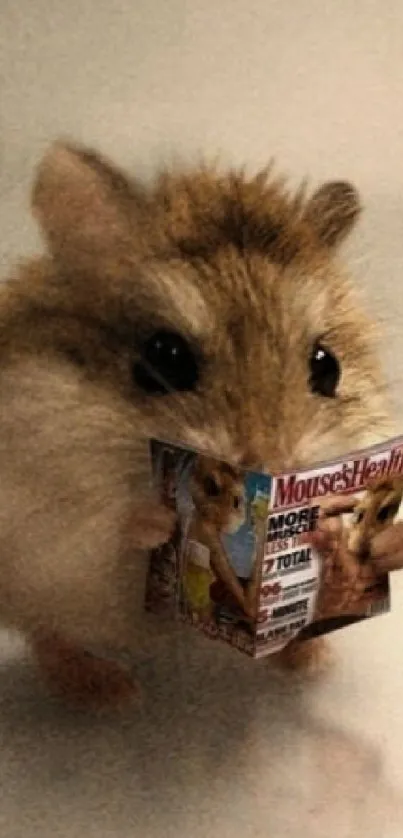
248,276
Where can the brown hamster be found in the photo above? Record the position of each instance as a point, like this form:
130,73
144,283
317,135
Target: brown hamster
209,309
373,513
217,491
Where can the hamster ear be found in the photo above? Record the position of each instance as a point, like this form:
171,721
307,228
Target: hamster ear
333,211
79,201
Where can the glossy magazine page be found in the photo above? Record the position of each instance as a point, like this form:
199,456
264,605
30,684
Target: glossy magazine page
243,564
209,572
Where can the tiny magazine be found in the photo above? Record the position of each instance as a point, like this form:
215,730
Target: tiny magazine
242,564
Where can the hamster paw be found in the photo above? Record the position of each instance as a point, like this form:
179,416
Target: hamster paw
81,679
310,658
151,525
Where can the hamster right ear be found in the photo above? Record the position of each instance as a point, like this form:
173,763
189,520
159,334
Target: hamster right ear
333,211
81,203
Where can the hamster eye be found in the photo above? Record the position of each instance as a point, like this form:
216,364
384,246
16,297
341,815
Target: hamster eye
237,503
74,355
388,511
211,488
324,372
167,364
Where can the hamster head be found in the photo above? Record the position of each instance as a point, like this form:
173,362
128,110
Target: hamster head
208,309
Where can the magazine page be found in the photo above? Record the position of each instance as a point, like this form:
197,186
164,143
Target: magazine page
349,501
209,572
244,563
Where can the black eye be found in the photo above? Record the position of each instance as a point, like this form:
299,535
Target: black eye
324,372
74,355
237,503
359,518
211,488
388,511
167,364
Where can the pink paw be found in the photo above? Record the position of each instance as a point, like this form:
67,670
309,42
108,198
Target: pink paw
310,658
151,525
80,678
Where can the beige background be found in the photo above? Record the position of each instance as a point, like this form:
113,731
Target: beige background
218,746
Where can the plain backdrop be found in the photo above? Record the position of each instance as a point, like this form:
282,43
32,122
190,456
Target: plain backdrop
217,746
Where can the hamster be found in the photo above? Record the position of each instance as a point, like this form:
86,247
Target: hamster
208,308
219,502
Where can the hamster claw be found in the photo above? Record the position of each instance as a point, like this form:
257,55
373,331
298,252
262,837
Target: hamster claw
310,658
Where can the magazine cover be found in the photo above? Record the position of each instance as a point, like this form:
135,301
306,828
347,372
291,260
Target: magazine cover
243,563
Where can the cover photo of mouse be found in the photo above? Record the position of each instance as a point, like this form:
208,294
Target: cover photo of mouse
220,574
352,578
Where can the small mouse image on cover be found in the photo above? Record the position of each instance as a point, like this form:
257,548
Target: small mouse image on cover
217,498
220,573
374,513
351,578
241,546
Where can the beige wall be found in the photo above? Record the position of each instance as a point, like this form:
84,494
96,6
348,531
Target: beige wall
317,84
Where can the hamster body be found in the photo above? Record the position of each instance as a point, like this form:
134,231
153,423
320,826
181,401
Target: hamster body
208,309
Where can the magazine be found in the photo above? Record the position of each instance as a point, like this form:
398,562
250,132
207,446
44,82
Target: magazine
243,563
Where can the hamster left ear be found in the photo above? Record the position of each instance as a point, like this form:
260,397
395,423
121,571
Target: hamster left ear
333,211
82,204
